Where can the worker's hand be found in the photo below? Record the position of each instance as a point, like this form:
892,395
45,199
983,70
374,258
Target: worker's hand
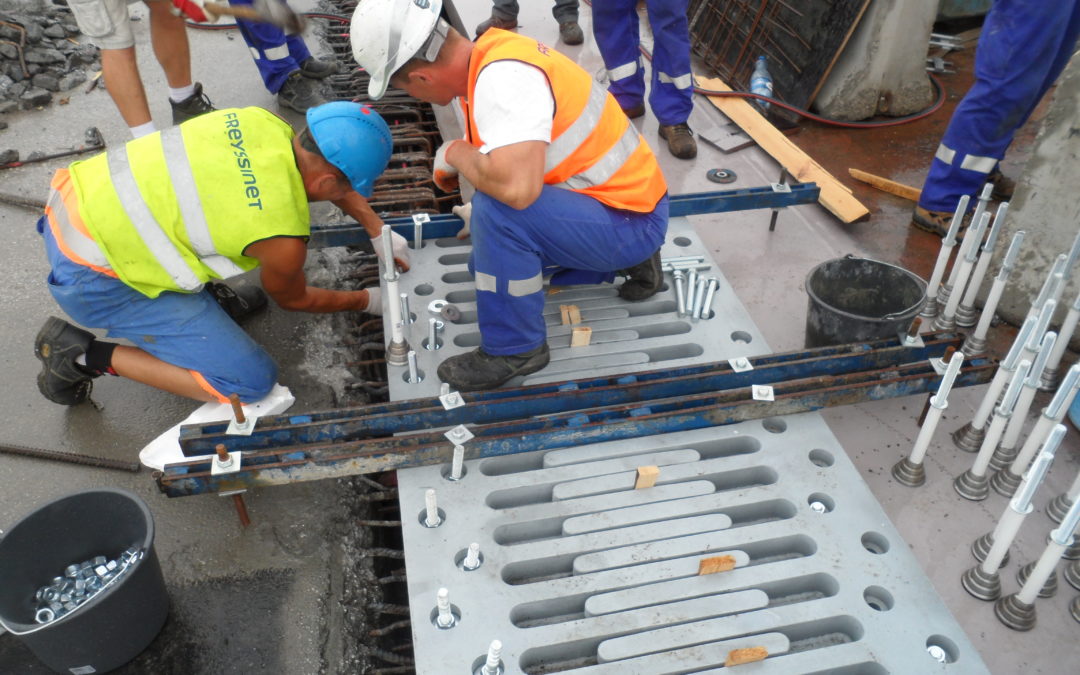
446,176
400,246
192,9
465,213
374,305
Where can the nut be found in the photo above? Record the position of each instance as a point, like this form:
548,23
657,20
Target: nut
44,615
71,571
99,560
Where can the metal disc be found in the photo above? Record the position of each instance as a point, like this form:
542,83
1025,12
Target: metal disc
435,306
451,313
721,175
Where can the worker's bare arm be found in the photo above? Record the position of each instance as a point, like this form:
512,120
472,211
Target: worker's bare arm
281,266
513,174
356,207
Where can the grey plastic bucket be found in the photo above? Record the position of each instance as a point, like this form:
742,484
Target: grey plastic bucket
856,299
120,621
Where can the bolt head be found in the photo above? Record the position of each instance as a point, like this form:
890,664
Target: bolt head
937,653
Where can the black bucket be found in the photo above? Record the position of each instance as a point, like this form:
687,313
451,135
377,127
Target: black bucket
111,628
855,299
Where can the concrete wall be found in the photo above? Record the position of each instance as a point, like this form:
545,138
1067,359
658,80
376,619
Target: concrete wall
1046,203
883,68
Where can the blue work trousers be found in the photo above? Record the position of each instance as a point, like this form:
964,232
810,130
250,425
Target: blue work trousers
1024,46
276,55
571,236
189,330
563,10
616,30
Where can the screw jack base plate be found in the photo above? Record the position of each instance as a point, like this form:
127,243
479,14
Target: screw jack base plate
1005,482
972,487
908,473
980,548
968,438
1014,613
1049,588
980,585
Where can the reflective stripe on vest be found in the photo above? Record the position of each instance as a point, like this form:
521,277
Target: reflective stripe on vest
155,239
593,150
72,241
191,208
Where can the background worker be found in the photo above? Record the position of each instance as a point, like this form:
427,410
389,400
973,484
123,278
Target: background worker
504,15
1022,50
108,24
215,197
564,183
671,90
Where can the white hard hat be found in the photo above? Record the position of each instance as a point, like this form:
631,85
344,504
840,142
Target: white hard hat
385,34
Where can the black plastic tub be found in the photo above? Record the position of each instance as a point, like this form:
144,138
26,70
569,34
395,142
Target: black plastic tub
119,622
857,299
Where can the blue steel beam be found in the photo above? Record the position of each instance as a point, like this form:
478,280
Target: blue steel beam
291,465
447,225
383,419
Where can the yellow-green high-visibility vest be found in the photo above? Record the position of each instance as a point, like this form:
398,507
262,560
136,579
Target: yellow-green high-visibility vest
174,209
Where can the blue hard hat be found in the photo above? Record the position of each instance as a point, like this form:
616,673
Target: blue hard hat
354,138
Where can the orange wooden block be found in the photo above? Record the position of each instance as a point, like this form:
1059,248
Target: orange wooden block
570,314
646,477
737,657
720,563
581,336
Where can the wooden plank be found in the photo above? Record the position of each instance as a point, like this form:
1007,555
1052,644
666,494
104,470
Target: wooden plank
835,196
886,185
646,477
719,563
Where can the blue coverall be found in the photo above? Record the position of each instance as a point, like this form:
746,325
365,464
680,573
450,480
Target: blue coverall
1025,44
276,55
615,29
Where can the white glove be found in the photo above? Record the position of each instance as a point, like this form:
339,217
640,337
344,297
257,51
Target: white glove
400,246
465,213
445,176
374,303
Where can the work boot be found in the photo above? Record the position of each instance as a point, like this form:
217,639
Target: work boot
680,140
1003,185
570,32
57,345
299,93
238,303
496,22
478,370
643,279
315,69
192,106
934,222
636,111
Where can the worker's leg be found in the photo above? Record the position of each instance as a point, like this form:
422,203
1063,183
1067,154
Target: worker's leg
564,230
615,29
671,93
505,9
276,55
168,35
1017,54
565,11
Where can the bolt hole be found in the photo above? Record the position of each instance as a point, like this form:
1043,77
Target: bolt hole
419,376
478,666
822,458
742,336
942,649
820,502
459,559
878,598
454,611
425,342
422,517
875,542
774,425
424,289
682,241
446,471
413,246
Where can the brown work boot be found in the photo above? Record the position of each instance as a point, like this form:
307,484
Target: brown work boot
478,370
496,22
934,222
636,111
680,140
1003,185
570,32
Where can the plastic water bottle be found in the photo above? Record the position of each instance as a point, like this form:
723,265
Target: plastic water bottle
761,81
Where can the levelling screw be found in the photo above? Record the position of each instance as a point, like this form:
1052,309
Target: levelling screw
472,558
493,664
431,519
446,617
224,459
457,465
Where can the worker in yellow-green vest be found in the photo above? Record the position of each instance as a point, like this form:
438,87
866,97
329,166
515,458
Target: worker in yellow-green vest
135,237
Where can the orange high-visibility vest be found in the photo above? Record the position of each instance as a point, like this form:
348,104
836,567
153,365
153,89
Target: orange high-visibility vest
594,149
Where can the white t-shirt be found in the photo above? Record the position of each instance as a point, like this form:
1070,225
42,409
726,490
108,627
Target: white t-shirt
512,103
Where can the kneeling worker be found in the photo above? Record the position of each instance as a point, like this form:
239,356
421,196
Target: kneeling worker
565,185
133,235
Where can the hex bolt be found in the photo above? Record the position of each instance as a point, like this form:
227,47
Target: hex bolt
929,310
242,423
691,288
414,371
434,327
418,232
457,465
680,292
387,239
223,459
431,517
493,663
406,314
912,335
699,297
445,618
710,292
472,557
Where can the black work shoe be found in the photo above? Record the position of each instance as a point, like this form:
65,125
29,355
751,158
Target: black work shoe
680,140
645,279
496,22
1003,186
315,69
238,303
299,93
570,32
192,106
478,370
57,345
634,112
935,222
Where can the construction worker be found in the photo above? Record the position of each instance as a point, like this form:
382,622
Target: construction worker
132,236
108,25
1023,48
671,89
504,15
564,184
